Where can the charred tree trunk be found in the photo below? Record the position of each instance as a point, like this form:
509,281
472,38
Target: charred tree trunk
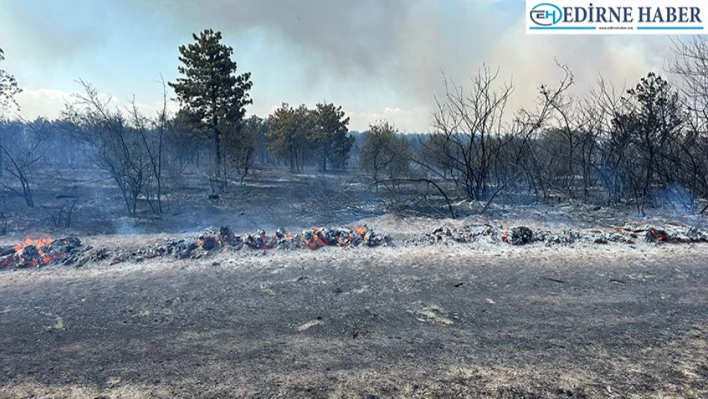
217,156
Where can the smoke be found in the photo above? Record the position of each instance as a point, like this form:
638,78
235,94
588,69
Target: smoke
367,55
675,200
400,43
37,32
405,45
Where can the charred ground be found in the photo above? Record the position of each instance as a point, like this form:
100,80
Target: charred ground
418,319
454,320
271,198
430,316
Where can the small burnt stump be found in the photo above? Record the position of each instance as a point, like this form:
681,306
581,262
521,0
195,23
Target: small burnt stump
521,235
225,231
185,248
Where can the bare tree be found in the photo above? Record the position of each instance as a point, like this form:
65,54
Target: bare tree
152,135
22,149
125,148
690,65
481,149
8,90
468,121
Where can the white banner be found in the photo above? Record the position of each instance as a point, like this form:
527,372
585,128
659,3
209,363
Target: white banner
617,17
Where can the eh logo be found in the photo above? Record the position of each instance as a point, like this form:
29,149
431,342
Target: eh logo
546,14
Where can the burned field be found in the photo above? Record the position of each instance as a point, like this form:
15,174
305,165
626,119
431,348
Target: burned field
85,201
216,299
399,307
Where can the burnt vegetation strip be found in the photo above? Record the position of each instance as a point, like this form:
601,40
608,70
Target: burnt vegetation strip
69,251
642,149
630,233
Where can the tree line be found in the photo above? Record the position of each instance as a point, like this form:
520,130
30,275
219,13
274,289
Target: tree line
645,146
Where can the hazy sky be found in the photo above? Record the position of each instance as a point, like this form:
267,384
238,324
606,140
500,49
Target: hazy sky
379,59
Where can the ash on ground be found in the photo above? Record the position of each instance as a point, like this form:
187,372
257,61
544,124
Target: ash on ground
630,233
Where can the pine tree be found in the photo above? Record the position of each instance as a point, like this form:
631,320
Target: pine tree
210,90
384,151
287,129
330,135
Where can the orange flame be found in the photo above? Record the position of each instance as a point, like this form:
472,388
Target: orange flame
318,240
42,242
320,237
41,245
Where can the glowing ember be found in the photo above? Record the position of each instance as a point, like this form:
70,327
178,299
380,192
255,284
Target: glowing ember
505,236
37,252
313,238
316,238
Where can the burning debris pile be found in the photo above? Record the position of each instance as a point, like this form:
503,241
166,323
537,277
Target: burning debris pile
223,238
314,238
68,251
627,234
35,253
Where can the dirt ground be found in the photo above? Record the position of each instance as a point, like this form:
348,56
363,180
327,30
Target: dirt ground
408,321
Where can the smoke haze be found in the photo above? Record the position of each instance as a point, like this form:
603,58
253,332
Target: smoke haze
385,59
